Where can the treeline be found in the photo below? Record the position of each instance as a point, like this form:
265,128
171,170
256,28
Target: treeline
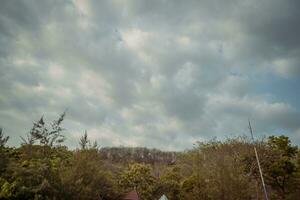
43,168
137,154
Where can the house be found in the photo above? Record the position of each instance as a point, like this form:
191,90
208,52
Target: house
133,195
163,197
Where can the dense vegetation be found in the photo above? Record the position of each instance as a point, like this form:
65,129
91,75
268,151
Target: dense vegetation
43,168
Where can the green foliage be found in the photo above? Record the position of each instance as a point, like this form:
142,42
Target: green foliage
194,187
139,177
4,156
41,168
84,178
281,168
169,184
282,144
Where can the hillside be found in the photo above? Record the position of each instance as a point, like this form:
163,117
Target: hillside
138,155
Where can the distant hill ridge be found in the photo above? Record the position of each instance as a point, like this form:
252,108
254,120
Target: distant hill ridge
137,154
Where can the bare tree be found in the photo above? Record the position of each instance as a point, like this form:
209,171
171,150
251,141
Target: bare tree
29,140
3,139
84,141
46,135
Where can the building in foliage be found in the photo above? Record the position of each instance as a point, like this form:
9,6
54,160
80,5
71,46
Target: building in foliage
133,195
163,197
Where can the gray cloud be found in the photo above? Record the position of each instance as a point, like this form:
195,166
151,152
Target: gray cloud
147,73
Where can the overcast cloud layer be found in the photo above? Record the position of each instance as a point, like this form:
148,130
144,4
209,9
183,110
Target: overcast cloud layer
151,73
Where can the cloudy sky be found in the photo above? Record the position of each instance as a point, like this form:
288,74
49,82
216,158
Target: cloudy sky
155,73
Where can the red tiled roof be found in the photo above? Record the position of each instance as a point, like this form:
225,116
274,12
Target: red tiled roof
133,195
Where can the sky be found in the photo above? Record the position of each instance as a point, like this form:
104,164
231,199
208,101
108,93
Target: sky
161,73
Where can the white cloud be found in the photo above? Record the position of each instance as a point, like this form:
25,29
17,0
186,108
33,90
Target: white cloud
56,71
135,39
148,74
286,67
184,76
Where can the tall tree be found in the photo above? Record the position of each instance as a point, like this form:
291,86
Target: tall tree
84,141
281,167
4,157
47,135
139,177
3,139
